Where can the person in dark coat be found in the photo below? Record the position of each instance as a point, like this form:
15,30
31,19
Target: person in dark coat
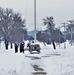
22,47
16,47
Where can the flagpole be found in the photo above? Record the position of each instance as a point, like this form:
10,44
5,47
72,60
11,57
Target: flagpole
35,21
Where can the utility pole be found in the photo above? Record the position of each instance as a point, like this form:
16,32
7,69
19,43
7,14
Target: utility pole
71,36
59,36
0,43
35,21
64,25
71,22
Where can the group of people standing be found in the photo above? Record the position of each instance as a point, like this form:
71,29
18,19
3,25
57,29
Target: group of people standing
21,47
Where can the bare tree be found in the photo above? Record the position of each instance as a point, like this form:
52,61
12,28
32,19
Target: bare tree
70,29
49,21
9,21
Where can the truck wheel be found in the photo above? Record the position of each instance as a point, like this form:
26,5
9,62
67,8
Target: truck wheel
30,51
38,51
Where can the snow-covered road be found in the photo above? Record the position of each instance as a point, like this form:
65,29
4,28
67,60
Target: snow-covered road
41,64
48,62
33,65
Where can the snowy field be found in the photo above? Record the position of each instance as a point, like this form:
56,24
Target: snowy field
53,62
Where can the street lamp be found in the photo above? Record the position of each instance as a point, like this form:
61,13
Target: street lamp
35,21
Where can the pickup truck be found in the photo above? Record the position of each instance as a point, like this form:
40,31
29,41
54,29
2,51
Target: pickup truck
34,47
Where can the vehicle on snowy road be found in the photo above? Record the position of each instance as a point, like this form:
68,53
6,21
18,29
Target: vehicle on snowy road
34,47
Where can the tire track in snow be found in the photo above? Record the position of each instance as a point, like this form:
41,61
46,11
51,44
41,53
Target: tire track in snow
38,66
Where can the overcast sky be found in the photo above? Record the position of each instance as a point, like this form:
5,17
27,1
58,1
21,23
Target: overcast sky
61,10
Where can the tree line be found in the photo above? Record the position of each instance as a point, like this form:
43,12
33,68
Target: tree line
53,34
12,22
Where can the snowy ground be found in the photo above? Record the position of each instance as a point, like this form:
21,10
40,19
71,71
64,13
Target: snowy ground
48,62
